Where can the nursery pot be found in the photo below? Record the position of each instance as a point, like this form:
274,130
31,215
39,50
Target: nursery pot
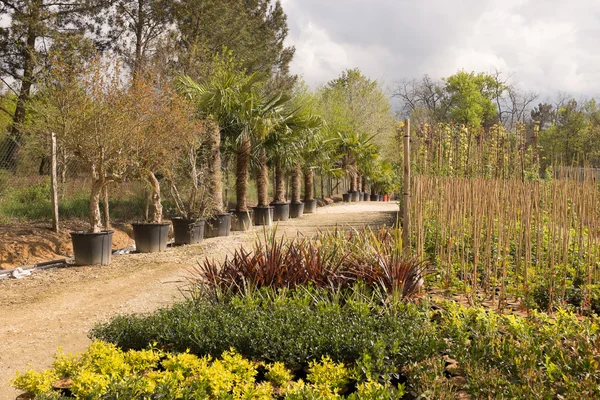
219,225
374,197
380,197
188,231
354,197
92,248
281,211
242,220
151,238
263,216
366,197
310,206
296,210
386,197
346,197
360,196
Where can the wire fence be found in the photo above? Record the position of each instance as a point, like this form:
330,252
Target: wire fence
26,191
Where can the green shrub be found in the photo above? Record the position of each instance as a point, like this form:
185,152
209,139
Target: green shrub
293,328
498,356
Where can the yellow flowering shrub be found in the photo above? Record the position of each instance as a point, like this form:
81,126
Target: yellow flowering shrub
104,371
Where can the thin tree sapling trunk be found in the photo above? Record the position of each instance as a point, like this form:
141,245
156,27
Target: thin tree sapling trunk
242,174
296,184
262,180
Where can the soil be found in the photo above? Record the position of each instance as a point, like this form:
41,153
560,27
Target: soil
58,307
27,243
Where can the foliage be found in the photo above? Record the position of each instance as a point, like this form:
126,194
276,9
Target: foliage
104,372
330,261
438,353
290,327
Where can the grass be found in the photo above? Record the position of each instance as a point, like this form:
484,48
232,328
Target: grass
32,203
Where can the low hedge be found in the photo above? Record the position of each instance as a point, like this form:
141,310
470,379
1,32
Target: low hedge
293,328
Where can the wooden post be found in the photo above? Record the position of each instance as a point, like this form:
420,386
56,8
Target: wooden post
406,189
53,185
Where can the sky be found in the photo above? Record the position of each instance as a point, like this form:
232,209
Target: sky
544,46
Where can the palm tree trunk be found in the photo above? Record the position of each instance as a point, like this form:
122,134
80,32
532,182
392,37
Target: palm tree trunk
215,184
242,174
262,180
279,185
296,184
309,177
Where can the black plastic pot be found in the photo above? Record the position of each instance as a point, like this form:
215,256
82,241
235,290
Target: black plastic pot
366,197
296,210
346,197
310,206
354,197
188,231
151,238
241,220
281,211
263,216
374,197
380,196
219,225
360,196
92,248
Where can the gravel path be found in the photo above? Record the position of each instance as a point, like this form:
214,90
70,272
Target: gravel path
58,307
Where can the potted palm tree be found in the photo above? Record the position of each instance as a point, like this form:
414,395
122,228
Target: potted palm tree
83,105
214,100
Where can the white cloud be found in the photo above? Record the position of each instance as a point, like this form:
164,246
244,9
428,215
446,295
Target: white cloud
546,45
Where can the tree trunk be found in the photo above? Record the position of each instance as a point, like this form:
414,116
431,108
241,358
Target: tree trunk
242,172
95,219
262,180
155,205
309,177
352,182
139,32
280,185
8,160
358,182
105,207
215,185
296,184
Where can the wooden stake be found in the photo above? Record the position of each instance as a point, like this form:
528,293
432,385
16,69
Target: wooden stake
406,203
53,185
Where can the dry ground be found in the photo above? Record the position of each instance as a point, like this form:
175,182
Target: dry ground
58,307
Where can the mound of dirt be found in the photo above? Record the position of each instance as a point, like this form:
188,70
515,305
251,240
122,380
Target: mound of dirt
30,243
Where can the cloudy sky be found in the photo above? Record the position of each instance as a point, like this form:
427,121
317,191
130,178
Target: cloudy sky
547,46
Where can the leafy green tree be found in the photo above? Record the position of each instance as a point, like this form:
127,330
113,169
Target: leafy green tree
135,28
254,31
32,23
470,96
357,112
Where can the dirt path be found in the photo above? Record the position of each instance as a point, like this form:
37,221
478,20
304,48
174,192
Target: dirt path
57,307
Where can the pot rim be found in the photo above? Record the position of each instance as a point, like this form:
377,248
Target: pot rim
88,233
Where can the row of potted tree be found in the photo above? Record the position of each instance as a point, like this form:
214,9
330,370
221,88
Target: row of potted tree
172,135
